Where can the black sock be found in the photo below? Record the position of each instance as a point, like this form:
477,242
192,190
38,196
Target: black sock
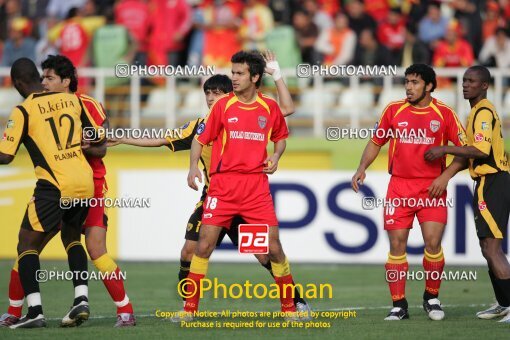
33,311
500,295
28,266
402,303
504,286
80,299
427,296
77,259
297,296
183,273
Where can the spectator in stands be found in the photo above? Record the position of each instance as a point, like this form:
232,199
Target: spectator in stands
496,50
257,23
338,43
414,50
221,39
468,14
392,33
134,15
377,9
9,10
493,20
319,17
73,40
36,11
369,51
60,8
306,33
283,11
19,44
196,42
358,19
171,23
112,45
453,51
432,27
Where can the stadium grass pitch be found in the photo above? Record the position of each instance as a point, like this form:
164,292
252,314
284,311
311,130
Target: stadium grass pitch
357,288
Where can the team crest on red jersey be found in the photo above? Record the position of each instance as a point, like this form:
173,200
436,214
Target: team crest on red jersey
434,125
262,122
482,205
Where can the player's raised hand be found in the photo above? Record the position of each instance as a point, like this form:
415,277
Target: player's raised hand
438,186
434,153
271,164
269,58
194,173
358,179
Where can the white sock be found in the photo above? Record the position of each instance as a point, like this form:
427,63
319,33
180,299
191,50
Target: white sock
81,290
34,299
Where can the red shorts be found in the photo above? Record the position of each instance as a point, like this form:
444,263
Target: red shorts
409,197
246,195
97,216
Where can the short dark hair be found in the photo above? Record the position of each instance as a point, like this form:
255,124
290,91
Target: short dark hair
255,62
24,70
425,72
483,72
64,68
218,82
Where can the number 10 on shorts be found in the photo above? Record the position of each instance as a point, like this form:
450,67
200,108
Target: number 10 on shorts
253,238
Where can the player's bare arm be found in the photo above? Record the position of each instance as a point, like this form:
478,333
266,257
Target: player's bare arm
273,68
194,172
271,163
369,155
5,159
439,185
460,151
142,142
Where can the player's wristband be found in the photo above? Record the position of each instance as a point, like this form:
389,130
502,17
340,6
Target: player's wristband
277,74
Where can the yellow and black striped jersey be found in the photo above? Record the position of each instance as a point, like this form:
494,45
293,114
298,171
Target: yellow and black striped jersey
50,125
484,133
184,140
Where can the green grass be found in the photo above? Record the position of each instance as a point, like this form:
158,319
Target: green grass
361,288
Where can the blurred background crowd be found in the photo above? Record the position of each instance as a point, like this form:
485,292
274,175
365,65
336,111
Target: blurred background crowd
178,32
102,33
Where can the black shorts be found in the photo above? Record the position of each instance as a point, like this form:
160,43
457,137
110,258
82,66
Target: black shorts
491,205
195,221
44,215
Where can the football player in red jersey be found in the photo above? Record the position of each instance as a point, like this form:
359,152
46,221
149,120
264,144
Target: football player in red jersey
412,126
59,75
239,126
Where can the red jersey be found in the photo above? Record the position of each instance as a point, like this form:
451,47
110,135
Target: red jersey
458,54
97,112
240,133
392,36
134,15
74,42
412,131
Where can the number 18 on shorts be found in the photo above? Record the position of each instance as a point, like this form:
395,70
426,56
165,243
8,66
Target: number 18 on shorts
253,238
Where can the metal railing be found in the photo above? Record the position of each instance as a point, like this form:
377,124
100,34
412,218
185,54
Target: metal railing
316,84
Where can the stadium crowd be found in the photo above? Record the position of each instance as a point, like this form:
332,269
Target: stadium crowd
102,33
